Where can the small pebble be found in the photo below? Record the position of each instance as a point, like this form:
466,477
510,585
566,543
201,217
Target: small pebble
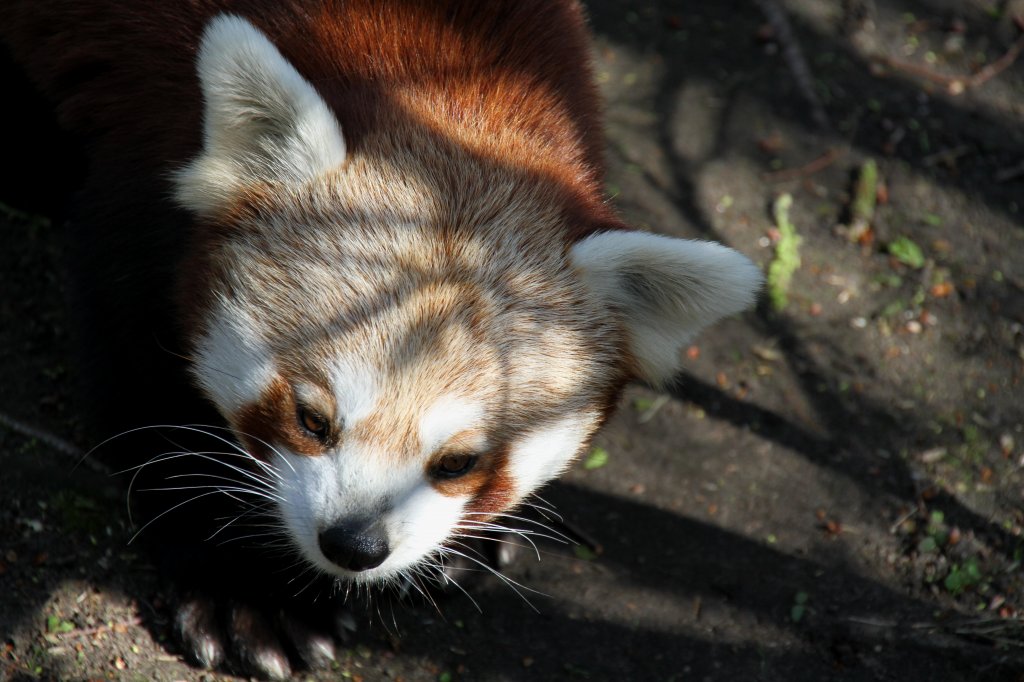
1006,444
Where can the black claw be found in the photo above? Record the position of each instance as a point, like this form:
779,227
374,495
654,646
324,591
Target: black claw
314,648
196,628
256,645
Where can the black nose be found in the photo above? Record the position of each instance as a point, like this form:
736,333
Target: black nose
355,544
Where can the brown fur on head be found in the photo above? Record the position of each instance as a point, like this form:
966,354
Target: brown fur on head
414,294
408,325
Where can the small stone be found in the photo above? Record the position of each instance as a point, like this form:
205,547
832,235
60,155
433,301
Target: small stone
1006,444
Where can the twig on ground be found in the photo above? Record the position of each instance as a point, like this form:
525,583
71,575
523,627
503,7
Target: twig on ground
54,441
899,522
993,69
947,156
1002,631
795,60
582,536
1007,174
88,632
649,413
818,164
956,84
872,622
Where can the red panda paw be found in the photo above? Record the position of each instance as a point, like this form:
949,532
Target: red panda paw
250,640
195,624
256,645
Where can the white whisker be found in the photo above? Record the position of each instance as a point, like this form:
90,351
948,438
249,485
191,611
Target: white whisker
168,511
487,538
501,576
224,489
524,519
259,440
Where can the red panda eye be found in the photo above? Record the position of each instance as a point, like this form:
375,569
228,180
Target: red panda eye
313,422
453,466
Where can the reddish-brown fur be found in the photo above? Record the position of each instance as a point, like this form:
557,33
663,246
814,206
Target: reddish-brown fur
272,421
118,69
122,74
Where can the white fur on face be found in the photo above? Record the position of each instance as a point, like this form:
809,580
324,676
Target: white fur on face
232,362
540,455
448,416
352,482
358,480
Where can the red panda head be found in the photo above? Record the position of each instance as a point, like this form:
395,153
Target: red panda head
401,328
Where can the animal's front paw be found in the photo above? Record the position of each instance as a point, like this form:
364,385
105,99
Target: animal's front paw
266,642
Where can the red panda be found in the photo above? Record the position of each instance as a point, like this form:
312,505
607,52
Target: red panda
374,237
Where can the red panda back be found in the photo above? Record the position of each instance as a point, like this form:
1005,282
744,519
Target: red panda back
122,74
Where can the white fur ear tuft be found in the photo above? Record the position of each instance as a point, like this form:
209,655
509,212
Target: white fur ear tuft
263,122
665,290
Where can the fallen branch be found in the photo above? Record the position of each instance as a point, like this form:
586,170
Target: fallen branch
1001,631
947,156
956,84
581,536
1007,174
111,627
993,69
53,440
795,60
818,164
899,522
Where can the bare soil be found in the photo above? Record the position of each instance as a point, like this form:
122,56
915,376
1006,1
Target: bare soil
833,491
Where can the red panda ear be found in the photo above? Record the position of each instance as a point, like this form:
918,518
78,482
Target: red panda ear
263,122
664,290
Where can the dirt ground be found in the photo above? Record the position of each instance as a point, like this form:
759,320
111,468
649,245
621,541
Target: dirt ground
833,491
